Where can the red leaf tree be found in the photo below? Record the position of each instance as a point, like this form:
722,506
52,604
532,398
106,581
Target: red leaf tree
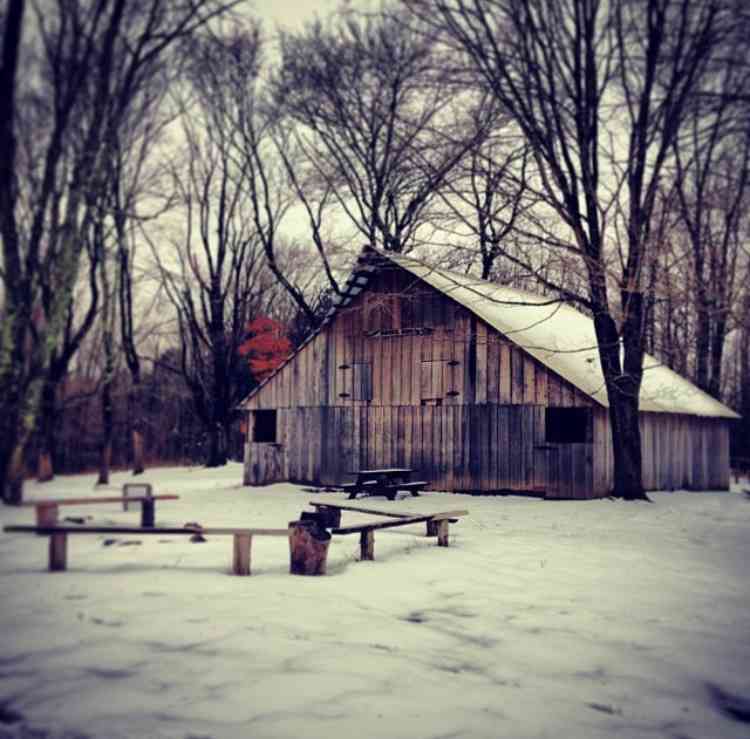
266,347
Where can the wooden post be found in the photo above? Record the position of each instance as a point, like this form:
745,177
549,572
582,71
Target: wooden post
241,561
135,490
367,544
432,528
308,548
442,532
148,513
46,514
58,552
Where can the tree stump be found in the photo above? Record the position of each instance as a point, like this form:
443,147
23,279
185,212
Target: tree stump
308,548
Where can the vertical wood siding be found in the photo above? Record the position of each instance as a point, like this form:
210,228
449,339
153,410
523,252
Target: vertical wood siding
679,452
461,360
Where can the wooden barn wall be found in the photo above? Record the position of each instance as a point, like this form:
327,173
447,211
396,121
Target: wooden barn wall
461,361
679,452
475,448
483,434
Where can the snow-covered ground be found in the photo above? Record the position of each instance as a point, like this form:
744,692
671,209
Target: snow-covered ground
543,619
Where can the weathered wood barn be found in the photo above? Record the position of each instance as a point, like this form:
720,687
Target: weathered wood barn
475,386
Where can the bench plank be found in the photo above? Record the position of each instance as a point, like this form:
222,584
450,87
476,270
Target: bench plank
400,522
359,485
214,531
108,499
359,509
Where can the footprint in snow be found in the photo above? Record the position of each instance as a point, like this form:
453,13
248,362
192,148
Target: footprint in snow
605,708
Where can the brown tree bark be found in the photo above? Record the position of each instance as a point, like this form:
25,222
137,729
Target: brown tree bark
105,453
46,428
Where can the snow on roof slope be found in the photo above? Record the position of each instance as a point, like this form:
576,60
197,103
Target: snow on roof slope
564,340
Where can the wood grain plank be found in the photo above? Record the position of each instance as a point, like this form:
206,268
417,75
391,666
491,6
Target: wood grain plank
481,374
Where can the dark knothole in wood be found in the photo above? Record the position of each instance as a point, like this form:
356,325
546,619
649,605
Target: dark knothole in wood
568,425
264,428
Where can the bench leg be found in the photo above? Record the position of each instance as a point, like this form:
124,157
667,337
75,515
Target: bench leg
46,515
442,533
367,545
241,560
432,528
148,513
58,552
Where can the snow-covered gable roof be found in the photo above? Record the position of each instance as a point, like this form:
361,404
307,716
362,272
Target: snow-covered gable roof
563,339
557,335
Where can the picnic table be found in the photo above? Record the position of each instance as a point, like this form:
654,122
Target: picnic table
387,482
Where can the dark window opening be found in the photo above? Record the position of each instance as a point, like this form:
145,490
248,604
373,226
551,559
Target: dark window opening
405,313
264,428
421,309
567,425
362,381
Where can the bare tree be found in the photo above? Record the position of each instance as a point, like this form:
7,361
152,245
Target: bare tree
218,279
376,115
599,90
93,58
712,186
227,73
486,197
77,325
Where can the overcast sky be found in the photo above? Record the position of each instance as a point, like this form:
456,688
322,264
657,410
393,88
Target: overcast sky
291,14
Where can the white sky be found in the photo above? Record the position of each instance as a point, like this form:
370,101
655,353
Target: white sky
290,14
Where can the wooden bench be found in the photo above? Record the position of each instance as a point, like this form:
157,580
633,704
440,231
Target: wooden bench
58,539
358,487
332,514
367,530
413,487
47,511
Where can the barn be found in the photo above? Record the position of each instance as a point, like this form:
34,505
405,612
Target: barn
476,386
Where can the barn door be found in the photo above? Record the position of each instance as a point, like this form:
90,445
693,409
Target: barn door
547,464
566,452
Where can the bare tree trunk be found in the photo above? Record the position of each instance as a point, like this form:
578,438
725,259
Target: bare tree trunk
137,426
702,334
11,492
46,425
622,392
217,447
623,415
10,378
105,454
